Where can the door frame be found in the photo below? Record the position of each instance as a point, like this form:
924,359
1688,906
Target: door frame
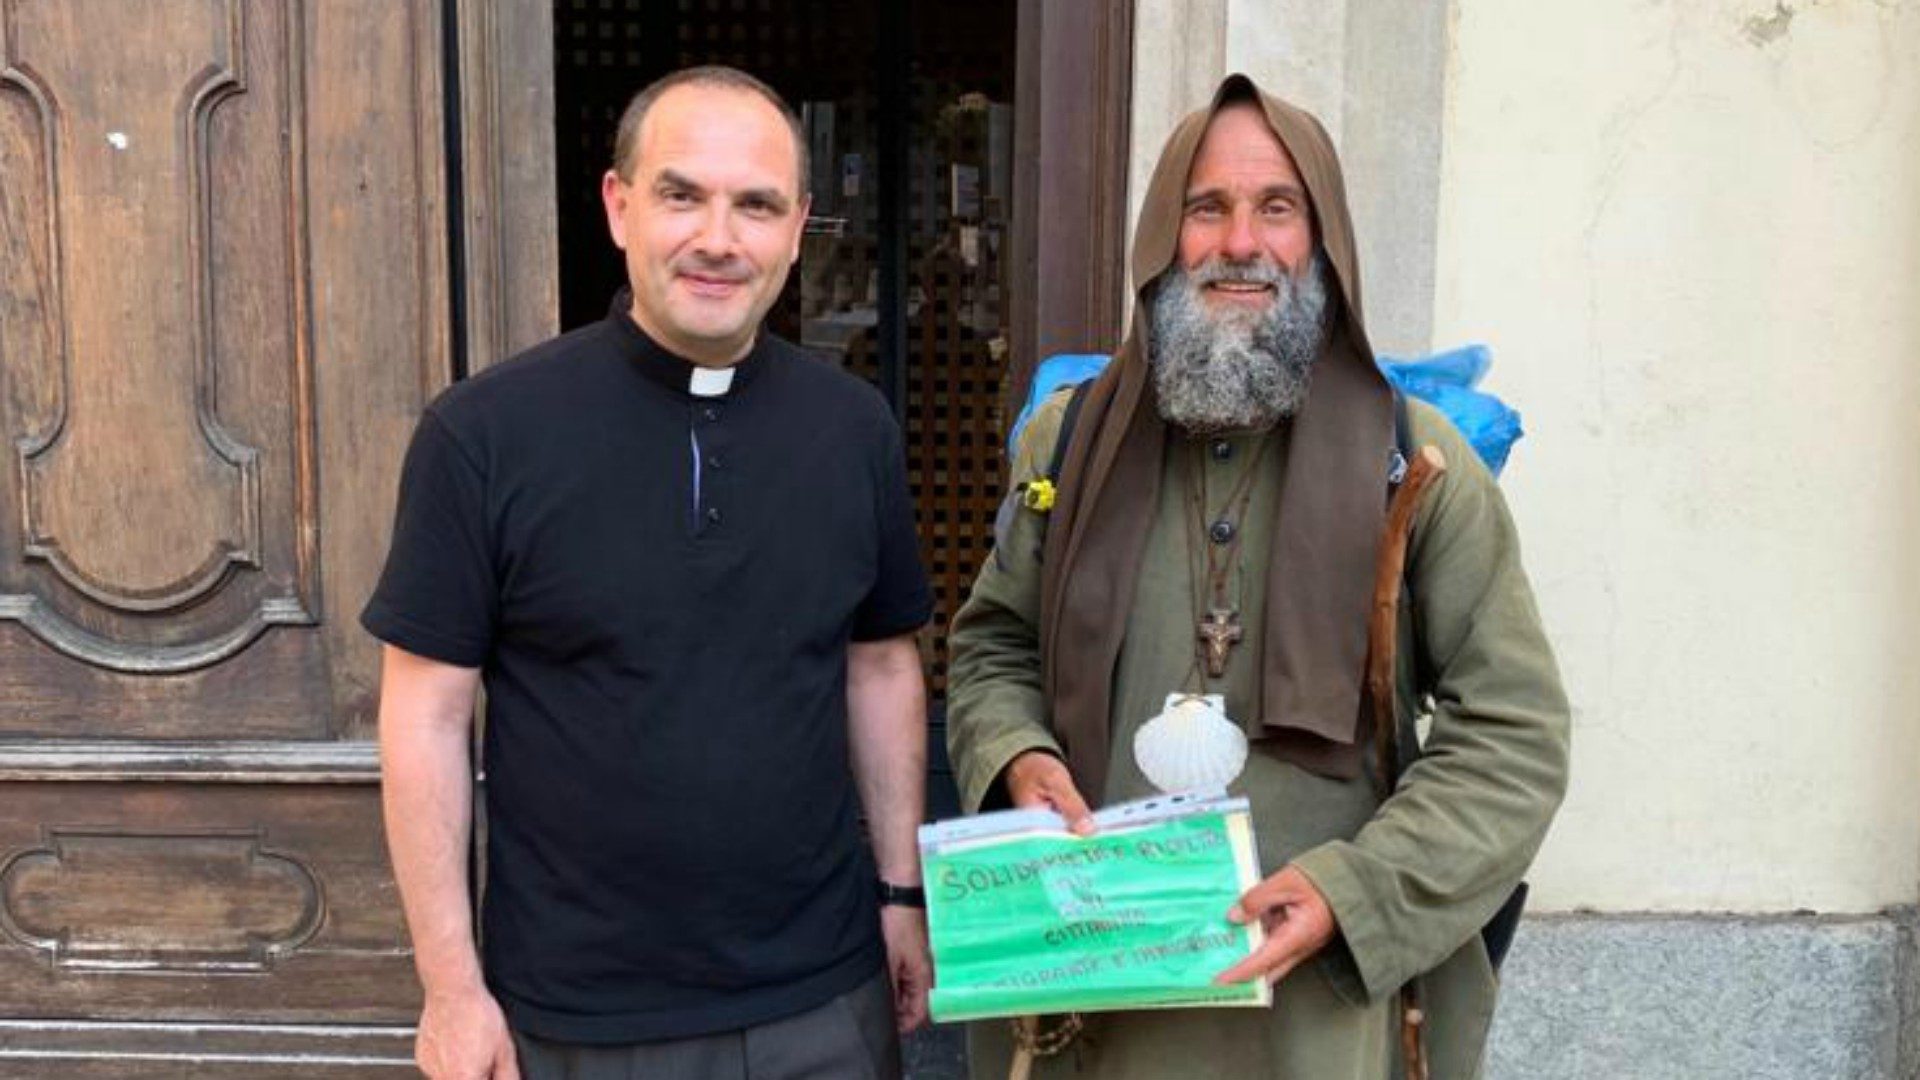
1073,107
504,247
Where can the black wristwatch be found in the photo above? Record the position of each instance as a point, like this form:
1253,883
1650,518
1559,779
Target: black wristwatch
901,895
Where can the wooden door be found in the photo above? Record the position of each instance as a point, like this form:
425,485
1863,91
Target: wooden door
242,242
225,295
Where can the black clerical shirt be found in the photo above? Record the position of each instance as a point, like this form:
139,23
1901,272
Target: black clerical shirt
659,588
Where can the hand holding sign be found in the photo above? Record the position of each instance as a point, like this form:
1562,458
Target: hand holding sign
1039,781
1297,920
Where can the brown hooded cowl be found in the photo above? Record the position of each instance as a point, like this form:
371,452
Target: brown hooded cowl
1331,509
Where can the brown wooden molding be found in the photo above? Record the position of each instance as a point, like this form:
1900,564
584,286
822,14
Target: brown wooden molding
234,761
207,900
164,497
223,1051
508,207
1068,277
236,902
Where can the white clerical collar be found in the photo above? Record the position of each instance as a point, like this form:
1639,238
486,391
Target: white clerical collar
710,382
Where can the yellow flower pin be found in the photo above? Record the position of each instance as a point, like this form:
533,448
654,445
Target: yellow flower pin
1037,495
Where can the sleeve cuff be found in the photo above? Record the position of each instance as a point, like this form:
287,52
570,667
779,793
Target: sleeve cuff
987,792
892,624
382,623
1352,962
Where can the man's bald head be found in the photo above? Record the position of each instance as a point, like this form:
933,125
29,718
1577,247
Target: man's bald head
626,146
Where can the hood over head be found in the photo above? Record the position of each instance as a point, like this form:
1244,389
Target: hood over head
1156,234
1330,514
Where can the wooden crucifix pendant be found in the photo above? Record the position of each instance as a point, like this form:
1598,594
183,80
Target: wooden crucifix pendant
1219,632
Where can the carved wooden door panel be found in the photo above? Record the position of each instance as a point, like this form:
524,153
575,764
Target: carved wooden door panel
224,297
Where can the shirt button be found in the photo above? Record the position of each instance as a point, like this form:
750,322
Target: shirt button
1222,449
713,461
710,414
1222,532
713,515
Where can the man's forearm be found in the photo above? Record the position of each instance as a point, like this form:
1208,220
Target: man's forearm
887,727
427,796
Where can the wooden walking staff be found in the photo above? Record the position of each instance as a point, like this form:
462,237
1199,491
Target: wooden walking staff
1382,633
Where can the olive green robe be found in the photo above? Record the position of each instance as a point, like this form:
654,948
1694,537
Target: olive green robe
1410,881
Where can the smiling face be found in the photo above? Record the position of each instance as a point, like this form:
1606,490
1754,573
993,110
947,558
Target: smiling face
1245,208
709,217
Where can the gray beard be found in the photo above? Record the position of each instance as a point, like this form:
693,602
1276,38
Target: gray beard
1234,371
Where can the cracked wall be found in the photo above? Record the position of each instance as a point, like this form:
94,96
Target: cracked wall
1691,234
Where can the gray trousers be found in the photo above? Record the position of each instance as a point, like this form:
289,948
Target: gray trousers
849,1038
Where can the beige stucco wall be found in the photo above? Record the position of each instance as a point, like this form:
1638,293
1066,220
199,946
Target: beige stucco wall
1691,234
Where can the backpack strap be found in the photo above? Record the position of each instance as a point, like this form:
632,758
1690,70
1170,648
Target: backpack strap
1067,420
1039,493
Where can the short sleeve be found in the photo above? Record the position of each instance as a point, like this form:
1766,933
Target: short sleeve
437,597
900,601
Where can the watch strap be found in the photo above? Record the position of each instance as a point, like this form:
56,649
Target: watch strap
900,895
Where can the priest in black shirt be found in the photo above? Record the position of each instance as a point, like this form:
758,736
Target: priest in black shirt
679,554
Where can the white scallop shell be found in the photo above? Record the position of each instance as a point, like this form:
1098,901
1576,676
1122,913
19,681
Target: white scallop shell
1191,745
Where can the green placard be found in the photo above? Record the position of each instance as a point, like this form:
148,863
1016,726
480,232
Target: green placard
1132,917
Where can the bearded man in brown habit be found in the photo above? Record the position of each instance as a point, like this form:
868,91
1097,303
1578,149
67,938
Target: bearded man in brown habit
1220,509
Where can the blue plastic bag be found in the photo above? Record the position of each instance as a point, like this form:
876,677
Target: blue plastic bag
1445,380
1061,369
